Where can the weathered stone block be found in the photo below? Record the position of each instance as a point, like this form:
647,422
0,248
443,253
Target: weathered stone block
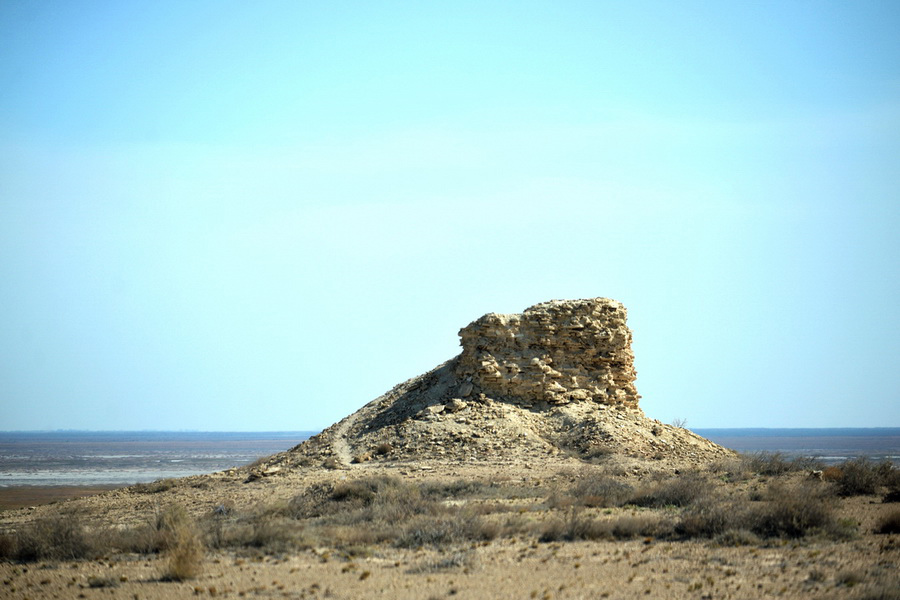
556,352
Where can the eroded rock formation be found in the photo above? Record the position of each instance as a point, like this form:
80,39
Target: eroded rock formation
553,382
553,353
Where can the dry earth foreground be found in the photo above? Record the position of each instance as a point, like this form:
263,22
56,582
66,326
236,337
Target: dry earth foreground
522,468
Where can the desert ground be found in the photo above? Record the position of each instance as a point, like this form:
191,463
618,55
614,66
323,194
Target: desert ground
745,527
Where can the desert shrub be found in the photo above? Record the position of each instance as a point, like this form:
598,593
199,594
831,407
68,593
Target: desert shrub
737,537
383,449
832,473
60,537
859,477
630,526
269,532
889,523
313,502
708,518
680,491
9,546
776,463
596,453
862,477
794,512
731,469
574,526
380,500
332,463
441,530
360,492
784,512
396,501
459,488
601,492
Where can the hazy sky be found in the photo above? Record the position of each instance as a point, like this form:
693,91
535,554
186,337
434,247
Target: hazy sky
262,215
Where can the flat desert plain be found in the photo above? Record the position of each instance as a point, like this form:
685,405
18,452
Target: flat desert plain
614,527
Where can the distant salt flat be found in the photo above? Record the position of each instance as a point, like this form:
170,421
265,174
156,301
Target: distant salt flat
123,458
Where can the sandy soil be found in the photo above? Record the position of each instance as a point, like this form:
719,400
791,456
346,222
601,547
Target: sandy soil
33,495
508,569
518,567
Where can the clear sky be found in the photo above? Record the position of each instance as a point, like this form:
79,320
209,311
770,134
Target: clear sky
262,215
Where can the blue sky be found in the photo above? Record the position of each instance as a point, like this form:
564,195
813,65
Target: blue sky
260,216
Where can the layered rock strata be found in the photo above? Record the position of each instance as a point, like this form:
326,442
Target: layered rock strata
553,353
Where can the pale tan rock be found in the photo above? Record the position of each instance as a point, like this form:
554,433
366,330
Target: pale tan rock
455,405
555,352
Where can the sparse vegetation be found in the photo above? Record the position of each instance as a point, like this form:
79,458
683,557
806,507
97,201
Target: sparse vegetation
59,537
776,463
678,491
353,516
601,492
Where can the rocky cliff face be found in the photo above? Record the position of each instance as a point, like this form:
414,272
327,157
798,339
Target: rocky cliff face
553,353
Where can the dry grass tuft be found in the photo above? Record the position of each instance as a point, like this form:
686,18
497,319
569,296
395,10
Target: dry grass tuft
184,545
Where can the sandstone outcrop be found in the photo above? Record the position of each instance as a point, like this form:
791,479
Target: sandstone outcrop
553,353
554,382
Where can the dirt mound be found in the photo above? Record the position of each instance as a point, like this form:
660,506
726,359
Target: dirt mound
556,380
